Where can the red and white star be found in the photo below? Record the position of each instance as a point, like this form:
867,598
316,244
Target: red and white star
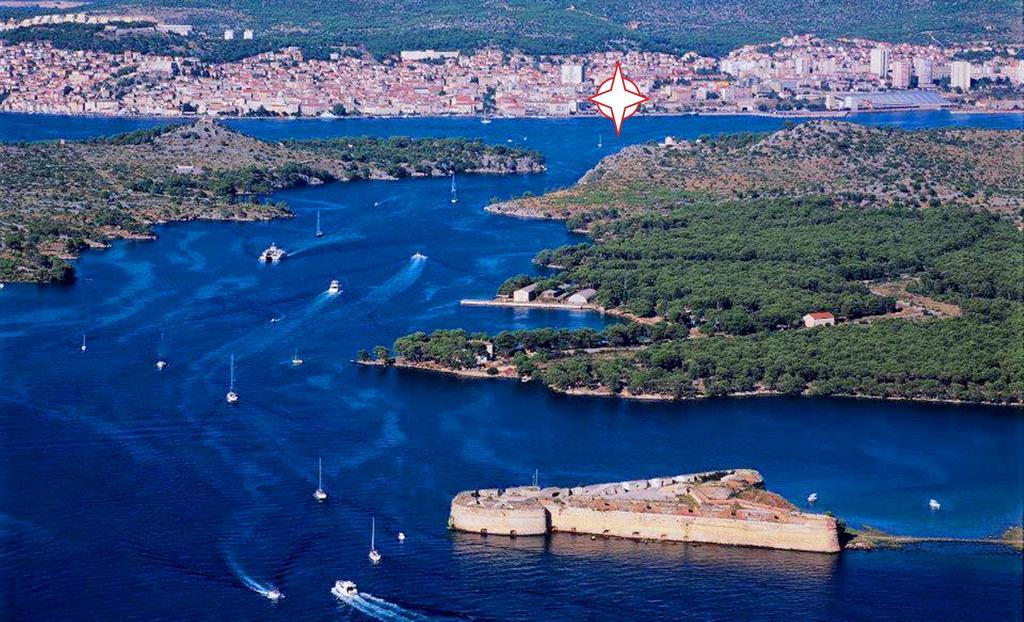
618,98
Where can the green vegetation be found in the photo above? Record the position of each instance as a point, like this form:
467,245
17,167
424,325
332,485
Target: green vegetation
546,26
725,279
56,198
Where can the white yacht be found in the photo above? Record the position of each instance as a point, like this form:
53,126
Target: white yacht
374,554
232,397
811,498
83,343
934,505
319,494
296,361
419,256
401,536
600,141
274,594
455,199
345,590
319,232
335,287
160,365
485,120
272,254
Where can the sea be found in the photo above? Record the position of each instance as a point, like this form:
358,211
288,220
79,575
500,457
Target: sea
130,493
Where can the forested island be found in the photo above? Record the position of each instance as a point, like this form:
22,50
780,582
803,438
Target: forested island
58,198
921,270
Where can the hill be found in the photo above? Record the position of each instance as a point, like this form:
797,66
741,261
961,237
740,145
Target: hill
546,26
58,198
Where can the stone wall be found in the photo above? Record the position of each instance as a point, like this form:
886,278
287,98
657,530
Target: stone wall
530,521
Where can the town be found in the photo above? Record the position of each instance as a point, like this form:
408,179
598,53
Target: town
798,75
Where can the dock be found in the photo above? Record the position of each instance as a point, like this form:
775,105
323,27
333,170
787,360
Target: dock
559,306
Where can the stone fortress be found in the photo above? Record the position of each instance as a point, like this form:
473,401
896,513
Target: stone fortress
717,507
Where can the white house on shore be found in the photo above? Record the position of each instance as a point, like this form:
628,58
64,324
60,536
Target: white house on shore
525,294
821,318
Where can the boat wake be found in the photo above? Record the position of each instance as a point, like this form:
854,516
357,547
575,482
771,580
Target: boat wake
262,589
380,609
398,283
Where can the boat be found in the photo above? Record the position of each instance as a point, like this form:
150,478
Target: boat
334,288
811,498
374,554
419,256
934,505
345,590
485,120
319,494
401,536
319,232
274,594
600,141
455,199
83,343
160,365
272,254
232,397
296,361
376,203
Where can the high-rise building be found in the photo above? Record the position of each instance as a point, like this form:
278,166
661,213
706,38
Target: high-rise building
801,65
572,74
901,74
960,75
880,61
924,71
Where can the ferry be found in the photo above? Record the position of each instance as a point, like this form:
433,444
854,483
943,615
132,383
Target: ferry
345,590
335,288
272,254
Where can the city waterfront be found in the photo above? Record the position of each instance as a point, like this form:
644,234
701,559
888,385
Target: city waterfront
133,492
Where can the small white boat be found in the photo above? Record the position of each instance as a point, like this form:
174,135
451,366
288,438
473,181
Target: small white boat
232,397
374,554
600,141
811,498
275,320
296,361
334,288
486,120
160,365
401,537
319,232
376,203
419,256
319,494
274,594
272,254
455,199
83,343
345,590
934,505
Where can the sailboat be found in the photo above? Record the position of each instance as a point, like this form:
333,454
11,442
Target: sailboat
83,342
232,397
319,232
319,493
374,553
600,141
296,361
161,363
455,199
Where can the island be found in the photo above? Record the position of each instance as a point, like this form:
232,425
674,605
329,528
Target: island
826,258
58,198
716,507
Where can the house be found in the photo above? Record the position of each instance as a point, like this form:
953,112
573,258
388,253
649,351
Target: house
581,297
821,318
525,294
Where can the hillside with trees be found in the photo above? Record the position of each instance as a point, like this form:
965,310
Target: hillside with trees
547,27
718,279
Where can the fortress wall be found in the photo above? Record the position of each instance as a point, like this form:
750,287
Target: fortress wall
814,535
523,522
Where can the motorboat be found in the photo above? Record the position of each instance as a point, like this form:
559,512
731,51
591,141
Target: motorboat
419,256
345,590
160,365
934,505
274,594
319,494
811,498
334,288
401,536
272,254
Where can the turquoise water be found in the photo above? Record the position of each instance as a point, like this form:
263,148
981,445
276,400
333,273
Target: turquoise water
129,493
